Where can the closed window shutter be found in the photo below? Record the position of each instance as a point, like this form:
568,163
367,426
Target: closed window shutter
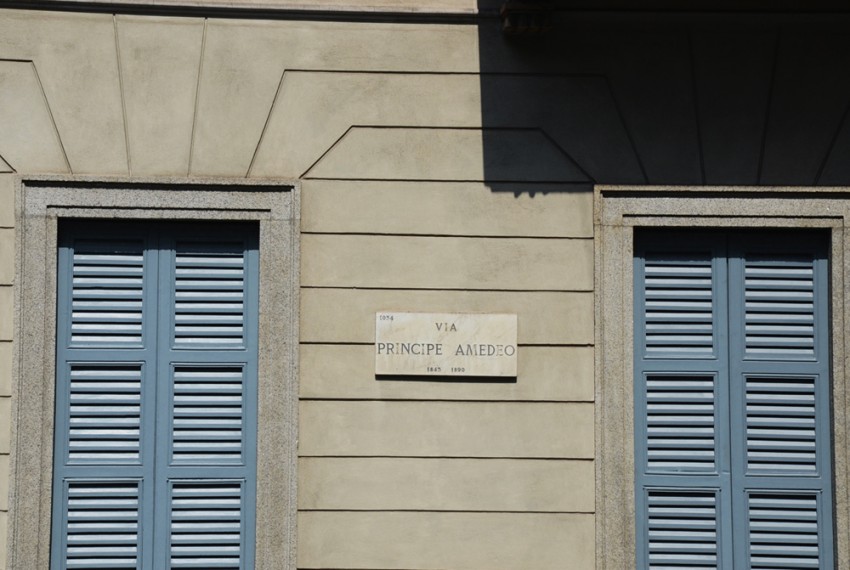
105,361
155,445
207,466
680,402
741,424
779,363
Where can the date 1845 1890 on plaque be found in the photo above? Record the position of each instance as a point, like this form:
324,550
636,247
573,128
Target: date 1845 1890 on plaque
445,344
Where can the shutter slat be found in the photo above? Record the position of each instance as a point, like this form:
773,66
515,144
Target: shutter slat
680,419
773,291
207,415
682,529
206,520
209,293
101,272
783,530
101,398
101,529
773,405
677,291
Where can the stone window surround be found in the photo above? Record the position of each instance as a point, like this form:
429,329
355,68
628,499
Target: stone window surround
41,201
618,210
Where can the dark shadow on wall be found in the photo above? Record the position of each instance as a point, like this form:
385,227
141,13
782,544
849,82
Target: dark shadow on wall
718,98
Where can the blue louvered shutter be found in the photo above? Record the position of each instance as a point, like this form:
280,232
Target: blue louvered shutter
155,429
779,361
732,401
208,346
681,395
105,366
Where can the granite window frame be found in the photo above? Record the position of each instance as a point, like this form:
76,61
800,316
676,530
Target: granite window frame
618,210
41,202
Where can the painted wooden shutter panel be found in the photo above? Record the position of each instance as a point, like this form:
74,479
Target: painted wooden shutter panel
209,297
208,421
107,292
747,425
783,531
102,526
102,502
207,525
682,529
104,414
680,423
781,425
779,307
208,415
779,360
155,447
680,401
678,304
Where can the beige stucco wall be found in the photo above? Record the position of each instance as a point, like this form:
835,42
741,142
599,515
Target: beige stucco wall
7,274
441,474
383,125
442,167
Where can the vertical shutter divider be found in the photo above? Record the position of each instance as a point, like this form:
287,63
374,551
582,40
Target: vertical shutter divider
163,368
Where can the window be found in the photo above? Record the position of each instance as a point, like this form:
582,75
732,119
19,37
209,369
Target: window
190,220
155,430
732,400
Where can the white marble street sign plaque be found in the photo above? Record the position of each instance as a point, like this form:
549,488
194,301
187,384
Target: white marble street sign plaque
445,344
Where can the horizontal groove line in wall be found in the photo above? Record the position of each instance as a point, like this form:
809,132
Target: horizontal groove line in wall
319,343
520,345
336,568
520,74
445,127
443,400
450,511
459,289
459,236
432,400
455,180
480,457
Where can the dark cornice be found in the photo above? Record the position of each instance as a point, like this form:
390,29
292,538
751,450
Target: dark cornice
426,11
263,9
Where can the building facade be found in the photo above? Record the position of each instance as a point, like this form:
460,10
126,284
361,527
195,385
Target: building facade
204,205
